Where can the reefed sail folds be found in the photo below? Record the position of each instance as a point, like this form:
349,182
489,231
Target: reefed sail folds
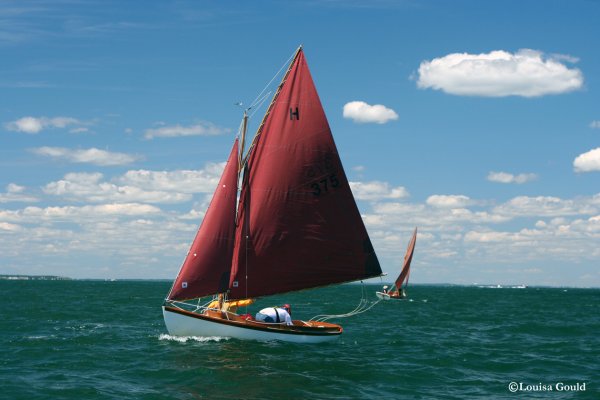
298,223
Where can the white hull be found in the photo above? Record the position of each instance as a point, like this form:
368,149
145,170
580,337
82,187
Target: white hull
382,296
189,324
385,296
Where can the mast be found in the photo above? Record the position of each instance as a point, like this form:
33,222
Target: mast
243,129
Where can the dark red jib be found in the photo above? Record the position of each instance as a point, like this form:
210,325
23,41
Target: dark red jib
207,266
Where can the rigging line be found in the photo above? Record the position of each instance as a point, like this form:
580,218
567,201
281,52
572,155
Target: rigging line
366,307
360,304
272,79
320,316
239,133
246,234
182,305
261,102
363,306
273,100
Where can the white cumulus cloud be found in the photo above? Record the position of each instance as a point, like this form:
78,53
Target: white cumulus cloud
199,129
595,124
485,237
183,181
141,186
448,201
90,188
16,193
90,156
361,112
547,206
526,73
33,125
376,190
89,211
505,177
5,226
588,162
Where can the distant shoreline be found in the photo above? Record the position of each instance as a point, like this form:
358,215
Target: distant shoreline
34,278
6,277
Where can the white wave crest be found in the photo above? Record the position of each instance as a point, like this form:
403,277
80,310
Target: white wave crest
184,339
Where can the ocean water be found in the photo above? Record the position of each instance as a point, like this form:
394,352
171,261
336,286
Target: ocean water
106,340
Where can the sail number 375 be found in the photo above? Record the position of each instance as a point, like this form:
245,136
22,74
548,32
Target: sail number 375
323,186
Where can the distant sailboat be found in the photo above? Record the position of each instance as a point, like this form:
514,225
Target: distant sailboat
295,226
398,291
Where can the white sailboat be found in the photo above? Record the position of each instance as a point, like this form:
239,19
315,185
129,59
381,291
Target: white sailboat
398,291
295,226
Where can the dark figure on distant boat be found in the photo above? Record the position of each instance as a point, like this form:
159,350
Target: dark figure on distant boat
398,294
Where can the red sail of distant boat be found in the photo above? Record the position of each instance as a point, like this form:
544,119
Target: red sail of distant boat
404,274
207,266
298,223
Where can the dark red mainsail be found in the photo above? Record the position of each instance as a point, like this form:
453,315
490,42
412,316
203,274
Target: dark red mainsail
298,223
206,268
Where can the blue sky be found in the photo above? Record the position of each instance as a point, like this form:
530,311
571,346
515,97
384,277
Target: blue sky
477,122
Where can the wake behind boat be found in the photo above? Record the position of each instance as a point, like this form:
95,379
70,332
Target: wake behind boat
398,292
295,226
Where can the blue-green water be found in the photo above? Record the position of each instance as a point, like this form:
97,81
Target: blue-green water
106,340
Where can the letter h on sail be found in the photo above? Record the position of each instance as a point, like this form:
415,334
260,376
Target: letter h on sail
294,114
